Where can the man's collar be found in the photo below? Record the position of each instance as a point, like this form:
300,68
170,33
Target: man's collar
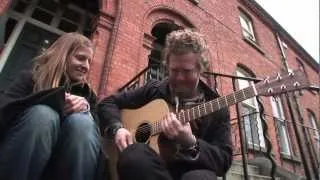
165,90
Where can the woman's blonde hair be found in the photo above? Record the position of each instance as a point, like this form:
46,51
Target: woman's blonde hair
50,68
184,41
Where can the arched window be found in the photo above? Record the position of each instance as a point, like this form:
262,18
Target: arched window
160,32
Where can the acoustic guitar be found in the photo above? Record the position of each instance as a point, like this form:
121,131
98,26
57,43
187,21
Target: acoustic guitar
144,122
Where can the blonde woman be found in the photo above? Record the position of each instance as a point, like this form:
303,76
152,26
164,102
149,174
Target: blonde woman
46,116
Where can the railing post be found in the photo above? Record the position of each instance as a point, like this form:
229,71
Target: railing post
312,153
266,137
242,139
298,135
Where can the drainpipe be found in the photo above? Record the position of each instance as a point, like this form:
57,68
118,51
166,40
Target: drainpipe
109,53
290,100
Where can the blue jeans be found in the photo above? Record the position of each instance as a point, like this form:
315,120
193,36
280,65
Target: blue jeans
39,141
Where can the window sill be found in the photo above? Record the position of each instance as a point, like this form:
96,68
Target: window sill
290,158
257,149
254,45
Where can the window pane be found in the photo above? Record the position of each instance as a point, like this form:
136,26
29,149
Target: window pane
245,21
247,128
20,6
251,125
277,108
246,25
242,22
72,15
283,137
89,22
10,24
243,84
42,16
314,126
87,32
48,5
88,28
67,26
5,31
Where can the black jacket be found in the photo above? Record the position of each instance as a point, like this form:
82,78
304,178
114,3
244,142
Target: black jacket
214,131
19,96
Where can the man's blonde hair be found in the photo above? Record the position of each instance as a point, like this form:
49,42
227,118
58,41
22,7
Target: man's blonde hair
184,41
50,68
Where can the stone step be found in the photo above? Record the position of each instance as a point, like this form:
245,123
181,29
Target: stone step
232,175
236,172
237,167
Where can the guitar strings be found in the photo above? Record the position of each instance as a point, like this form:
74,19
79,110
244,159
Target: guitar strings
201,109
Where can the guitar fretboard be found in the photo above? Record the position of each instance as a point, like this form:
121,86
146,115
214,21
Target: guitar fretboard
209,107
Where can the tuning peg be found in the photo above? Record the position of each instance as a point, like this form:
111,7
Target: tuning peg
291,73
296,84
279,77
275,98
283,87
266,80
270,90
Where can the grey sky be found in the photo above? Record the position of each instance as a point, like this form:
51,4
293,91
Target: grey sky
300,19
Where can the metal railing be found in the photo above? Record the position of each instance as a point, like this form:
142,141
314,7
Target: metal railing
143,77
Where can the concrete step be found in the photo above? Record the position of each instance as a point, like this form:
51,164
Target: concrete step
236,172
232,175
237,167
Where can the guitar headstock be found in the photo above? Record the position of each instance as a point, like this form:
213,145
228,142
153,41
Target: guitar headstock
285,82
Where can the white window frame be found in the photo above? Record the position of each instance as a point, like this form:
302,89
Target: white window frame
251,103
282,130
247,27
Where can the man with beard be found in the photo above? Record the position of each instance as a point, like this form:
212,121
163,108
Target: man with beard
204,149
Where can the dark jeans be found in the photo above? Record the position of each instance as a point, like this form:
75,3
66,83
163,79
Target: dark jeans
139,161
39,139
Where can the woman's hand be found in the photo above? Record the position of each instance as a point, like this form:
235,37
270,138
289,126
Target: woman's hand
75,104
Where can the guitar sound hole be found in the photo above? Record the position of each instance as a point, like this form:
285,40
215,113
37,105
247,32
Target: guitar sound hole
143,133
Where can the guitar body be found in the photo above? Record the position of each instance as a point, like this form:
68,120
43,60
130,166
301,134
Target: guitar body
148,114
136,121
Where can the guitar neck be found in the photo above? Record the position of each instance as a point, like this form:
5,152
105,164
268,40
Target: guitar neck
209,107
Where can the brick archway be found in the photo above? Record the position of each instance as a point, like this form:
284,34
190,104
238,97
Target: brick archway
153,17
164,15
